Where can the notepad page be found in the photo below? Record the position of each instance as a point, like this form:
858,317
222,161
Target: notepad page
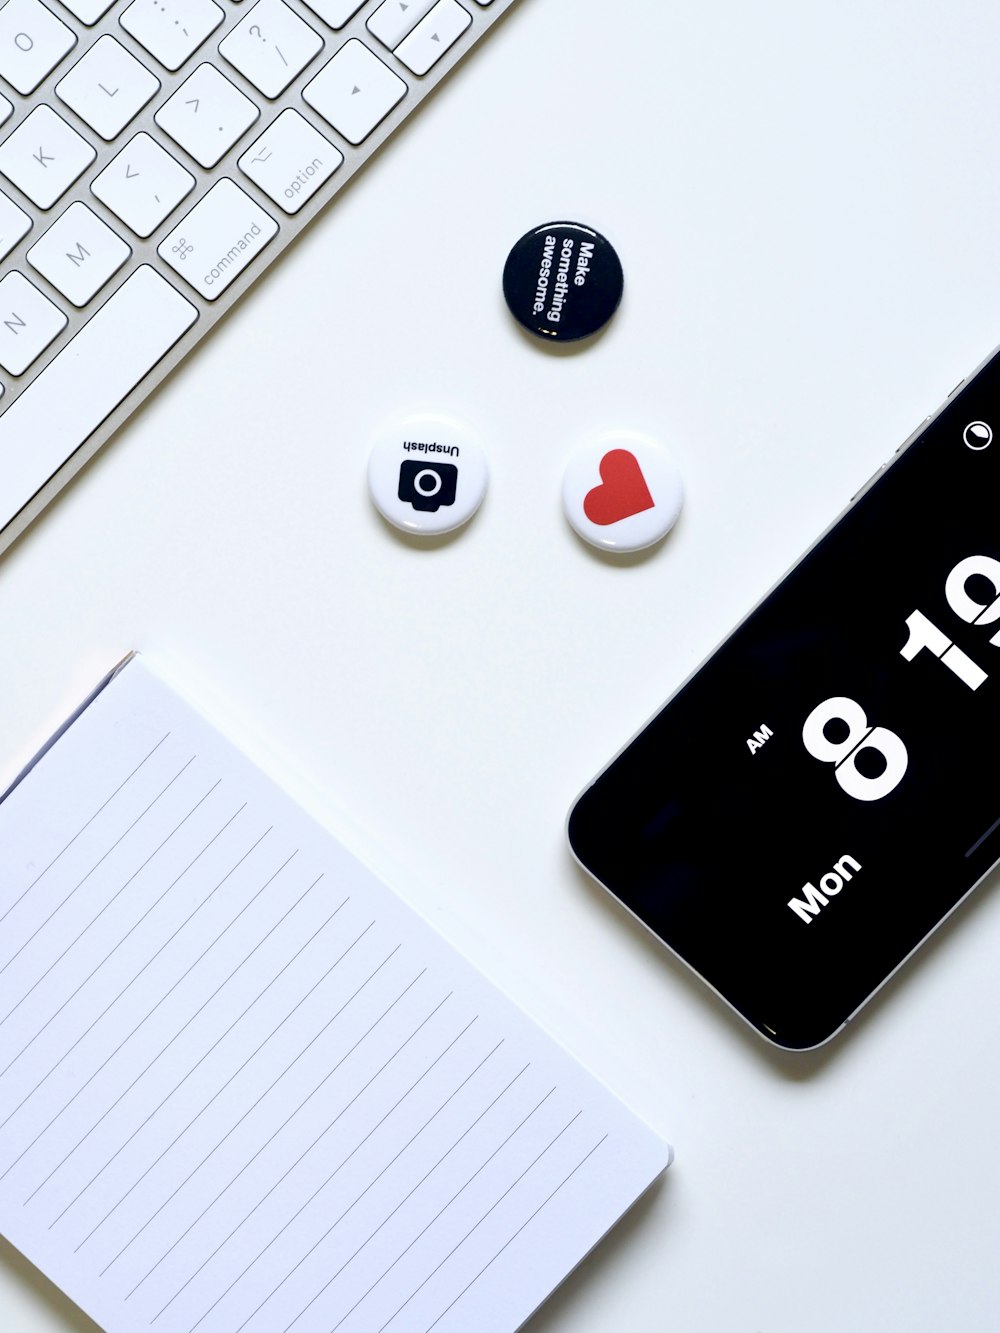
243,1086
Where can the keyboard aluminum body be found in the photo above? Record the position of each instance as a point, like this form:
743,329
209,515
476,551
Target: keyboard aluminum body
173,284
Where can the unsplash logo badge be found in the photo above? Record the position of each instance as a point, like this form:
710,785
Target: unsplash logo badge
427,474
427,486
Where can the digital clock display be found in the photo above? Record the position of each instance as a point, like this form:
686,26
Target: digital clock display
824,790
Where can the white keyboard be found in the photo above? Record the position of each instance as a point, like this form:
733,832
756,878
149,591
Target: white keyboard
155,156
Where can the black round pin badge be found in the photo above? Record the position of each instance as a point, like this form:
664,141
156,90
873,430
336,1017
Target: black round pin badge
563,281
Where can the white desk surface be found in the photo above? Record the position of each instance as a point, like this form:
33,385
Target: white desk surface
806,200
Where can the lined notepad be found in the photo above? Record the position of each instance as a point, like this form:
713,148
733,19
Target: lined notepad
244,1087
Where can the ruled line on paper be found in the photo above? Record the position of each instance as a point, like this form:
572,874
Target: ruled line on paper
182,1029
114,897
364,1088
229,873
41,875
460,1191
207,1053
367,1033
376,1075
389,1216
215,836
236,1073
343,1162
156,1006
263,1146
510,1240
375,1179
103,858
512,1186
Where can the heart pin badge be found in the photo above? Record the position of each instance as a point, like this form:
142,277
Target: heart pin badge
622,491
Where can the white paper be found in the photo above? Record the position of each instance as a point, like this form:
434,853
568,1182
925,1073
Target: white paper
243,1087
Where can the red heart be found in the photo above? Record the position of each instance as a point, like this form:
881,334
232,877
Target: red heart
623,493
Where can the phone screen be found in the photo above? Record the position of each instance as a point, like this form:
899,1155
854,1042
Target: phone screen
809,806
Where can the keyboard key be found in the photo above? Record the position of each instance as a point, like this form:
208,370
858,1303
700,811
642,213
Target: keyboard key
143,184
271,46
206,115
84,384
355,91
108,87
433,35
335,12
78,254
395,18
88,11
290,161
171,30
44,156
32,42
218,239
28,323
6,109
14,223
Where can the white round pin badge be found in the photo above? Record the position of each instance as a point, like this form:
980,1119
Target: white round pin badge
427,474
622,491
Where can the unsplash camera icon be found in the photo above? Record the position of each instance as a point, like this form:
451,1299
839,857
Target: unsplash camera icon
427,486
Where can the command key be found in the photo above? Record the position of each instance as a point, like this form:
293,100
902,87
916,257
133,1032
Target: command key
221,236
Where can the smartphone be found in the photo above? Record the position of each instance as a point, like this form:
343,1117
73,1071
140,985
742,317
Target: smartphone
824,790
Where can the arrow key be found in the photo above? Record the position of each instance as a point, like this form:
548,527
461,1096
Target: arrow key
433,35
143,185
355,91
395,18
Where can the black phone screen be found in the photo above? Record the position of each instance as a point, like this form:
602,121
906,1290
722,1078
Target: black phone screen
822,792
